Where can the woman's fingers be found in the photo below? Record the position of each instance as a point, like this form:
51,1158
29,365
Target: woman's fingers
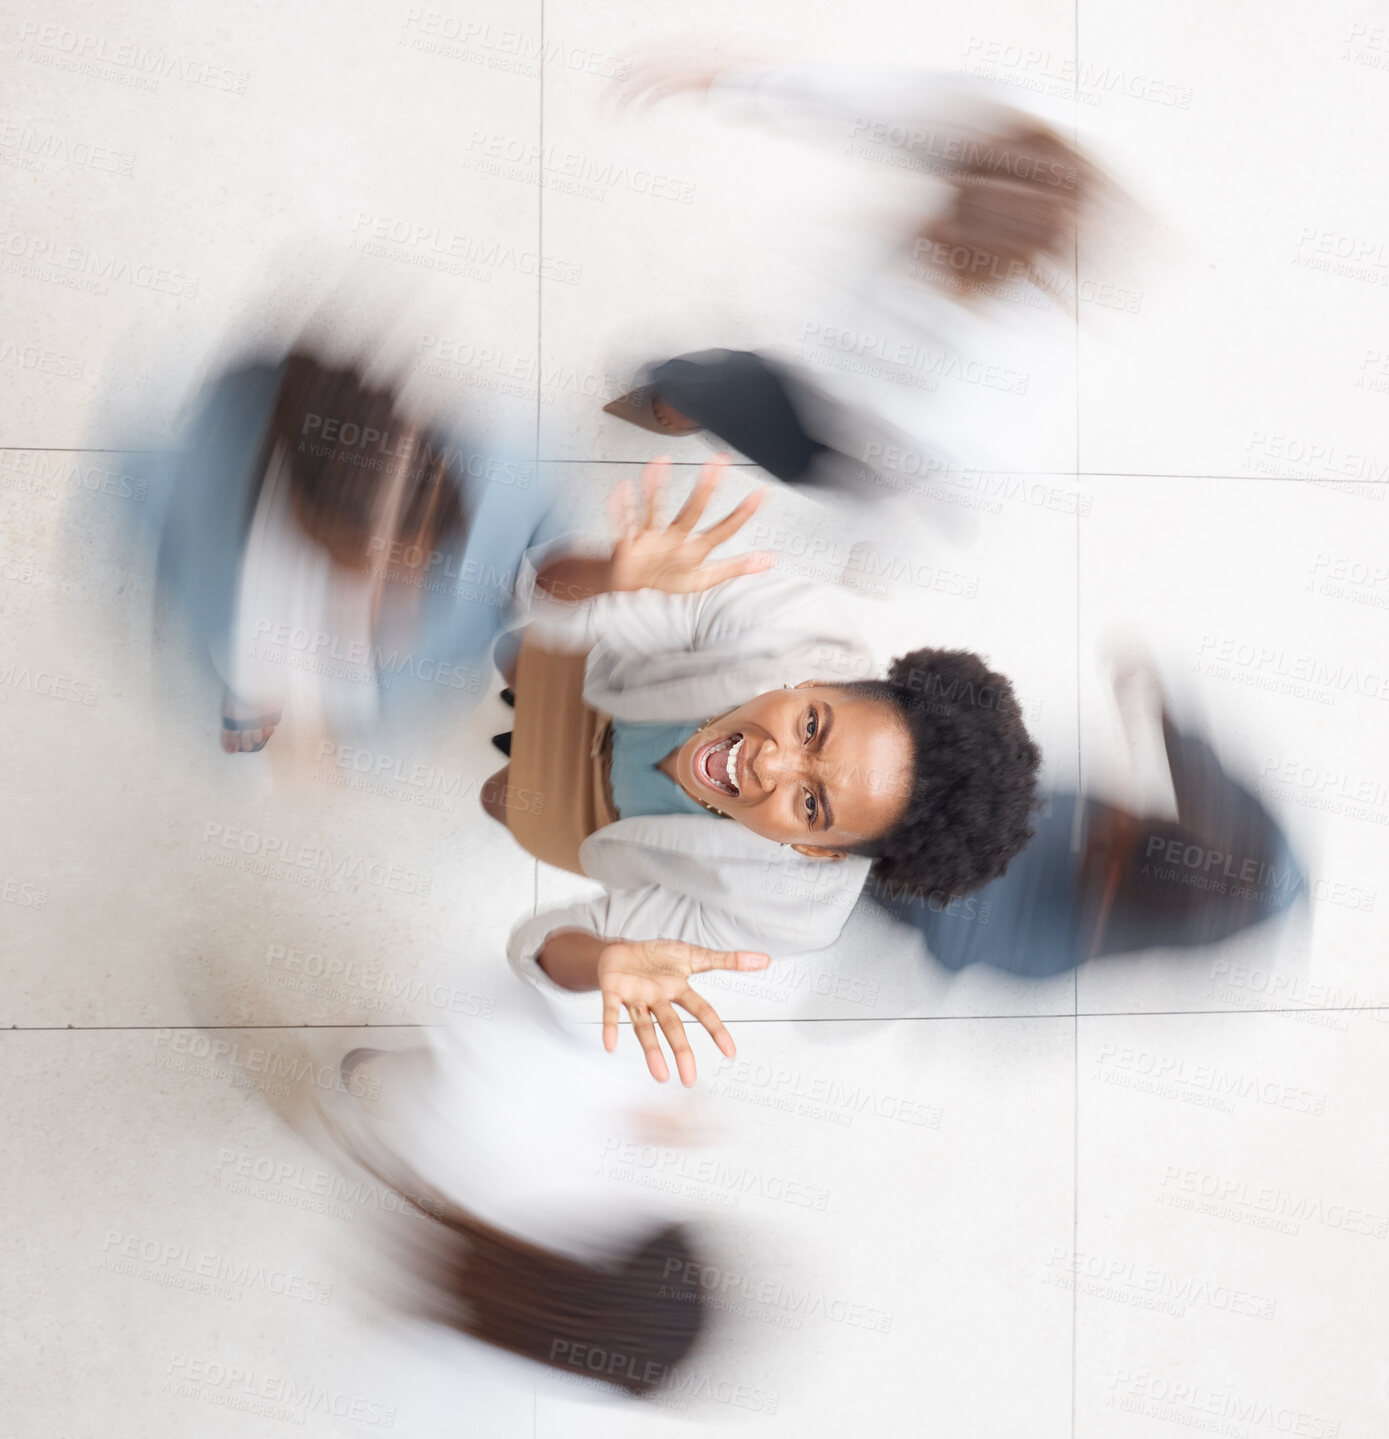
707,1015
612,1014
674,1032
653,485
651,1046
702,960
620,513
732,522
705,485
707,576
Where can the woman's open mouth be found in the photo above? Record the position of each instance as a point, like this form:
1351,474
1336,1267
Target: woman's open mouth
716,765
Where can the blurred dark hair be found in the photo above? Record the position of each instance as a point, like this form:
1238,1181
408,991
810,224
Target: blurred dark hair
974,774
345,440
628,1323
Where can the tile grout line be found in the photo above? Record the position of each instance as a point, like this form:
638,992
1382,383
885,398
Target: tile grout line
1074,473
1075,974
540,244
1073,1015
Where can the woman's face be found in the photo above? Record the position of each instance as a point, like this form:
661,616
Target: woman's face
816,767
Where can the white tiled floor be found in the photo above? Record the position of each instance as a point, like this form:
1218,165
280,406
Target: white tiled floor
1146,1198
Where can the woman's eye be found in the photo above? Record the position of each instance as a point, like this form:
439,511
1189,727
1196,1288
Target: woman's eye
812,724
811,809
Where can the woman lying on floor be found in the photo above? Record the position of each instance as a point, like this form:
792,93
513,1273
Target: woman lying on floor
704,740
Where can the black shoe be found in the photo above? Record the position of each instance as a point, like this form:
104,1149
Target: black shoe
503,742
509,698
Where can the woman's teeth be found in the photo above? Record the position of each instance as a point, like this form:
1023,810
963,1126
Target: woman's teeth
734,777
718,765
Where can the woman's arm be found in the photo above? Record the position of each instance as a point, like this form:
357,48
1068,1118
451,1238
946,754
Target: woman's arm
573,578
570,958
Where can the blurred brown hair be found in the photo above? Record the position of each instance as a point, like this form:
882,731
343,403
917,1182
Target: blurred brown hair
345,441
628,1323
1019,196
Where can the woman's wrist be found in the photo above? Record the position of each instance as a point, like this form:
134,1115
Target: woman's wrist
575,578
570,958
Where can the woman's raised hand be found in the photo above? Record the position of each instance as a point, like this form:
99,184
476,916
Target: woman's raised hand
652,555
649,74
649,978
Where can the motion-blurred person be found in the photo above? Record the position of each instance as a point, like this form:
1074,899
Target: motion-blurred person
510,1140
710,744
1102,879
998,202
337,554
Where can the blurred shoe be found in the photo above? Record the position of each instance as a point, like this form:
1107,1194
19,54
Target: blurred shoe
509,697
350,1061
503,742
642,408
